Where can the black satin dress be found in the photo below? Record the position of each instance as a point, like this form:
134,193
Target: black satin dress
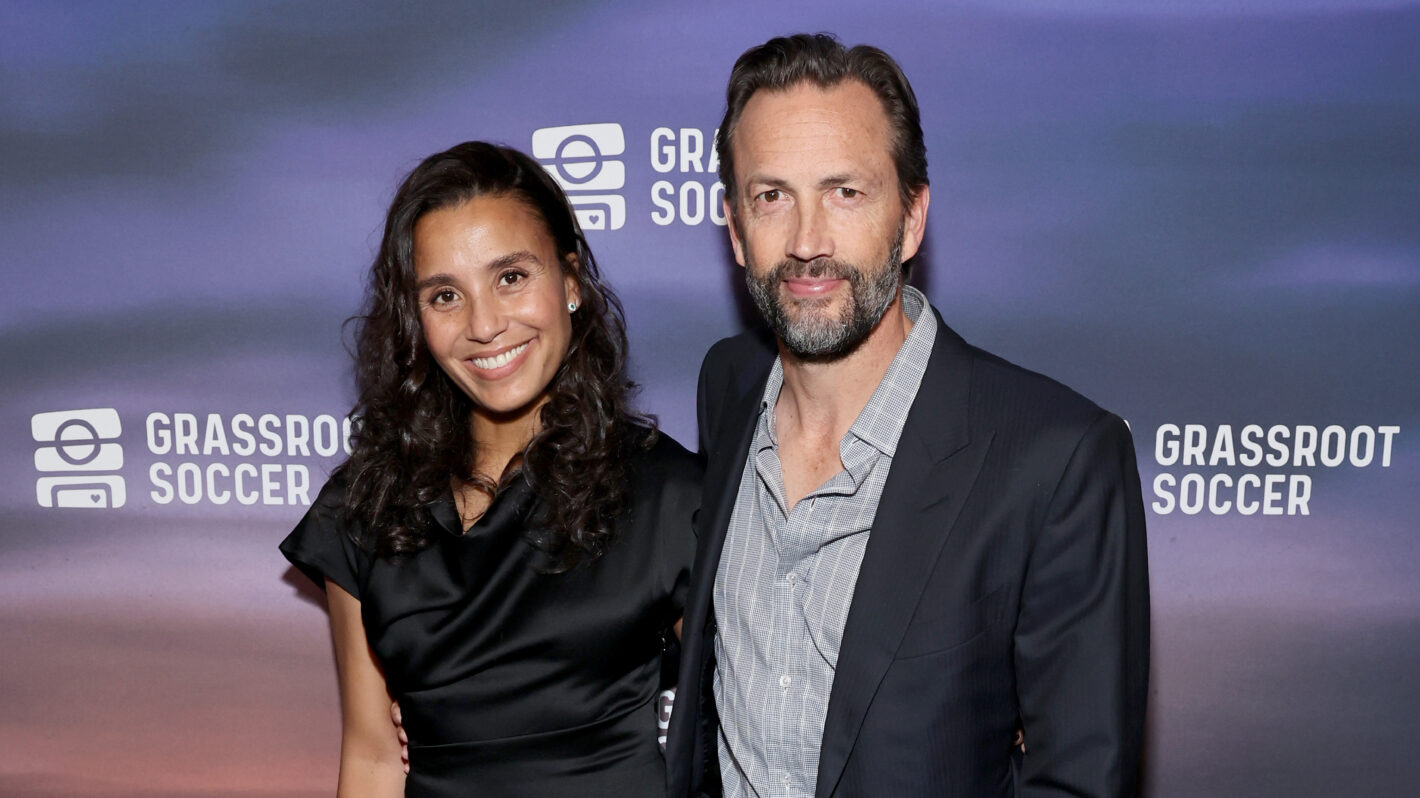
515,682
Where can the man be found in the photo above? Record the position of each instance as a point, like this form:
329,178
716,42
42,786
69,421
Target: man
910,549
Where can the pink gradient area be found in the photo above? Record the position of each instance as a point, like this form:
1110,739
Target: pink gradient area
106,702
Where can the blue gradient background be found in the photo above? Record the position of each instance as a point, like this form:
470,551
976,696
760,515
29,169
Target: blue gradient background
1192,212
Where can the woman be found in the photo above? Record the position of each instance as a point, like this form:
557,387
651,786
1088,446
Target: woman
508,544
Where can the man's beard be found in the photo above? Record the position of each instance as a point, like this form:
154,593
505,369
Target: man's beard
810,335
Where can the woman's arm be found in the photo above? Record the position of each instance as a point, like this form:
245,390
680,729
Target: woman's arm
370,766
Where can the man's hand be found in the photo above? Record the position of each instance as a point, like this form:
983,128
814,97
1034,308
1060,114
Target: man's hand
403,738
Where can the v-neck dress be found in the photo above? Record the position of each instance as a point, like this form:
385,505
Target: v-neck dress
513,681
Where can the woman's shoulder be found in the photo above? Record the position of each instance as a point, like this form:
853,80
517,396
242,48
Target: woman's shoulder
665,493
665,459
325,545
329,504
330,514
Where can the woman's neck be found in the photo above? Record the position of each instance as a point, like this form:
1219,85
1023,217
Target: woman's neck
498,438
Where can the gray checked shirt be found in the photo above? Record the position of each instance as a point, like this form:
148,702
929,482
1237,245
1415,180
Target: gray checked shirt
786,579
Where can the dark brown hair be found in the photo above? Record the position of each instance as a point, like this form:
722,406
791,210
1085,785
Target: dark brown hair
414,433
786,61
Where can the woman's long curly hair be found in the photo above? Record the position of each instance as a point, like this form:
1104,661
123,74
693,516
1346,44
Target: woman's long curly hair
414,437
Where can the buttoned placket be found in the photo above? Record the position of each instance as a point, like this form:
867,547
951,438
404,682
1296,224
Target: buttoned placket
796,538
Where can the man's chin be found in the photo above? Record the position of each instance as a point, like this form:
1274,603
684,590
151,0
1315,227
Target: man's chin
821,344
824,336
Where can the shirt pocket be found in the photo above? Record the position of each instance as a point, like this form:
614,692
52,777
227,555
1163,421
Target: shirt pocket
955,626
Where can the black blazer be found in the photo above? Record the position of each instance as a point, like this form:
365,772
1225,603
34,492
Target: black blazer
1004,586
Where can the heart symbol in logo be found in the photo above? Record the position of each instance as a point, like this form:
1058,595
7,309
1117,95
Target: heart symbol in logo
96,497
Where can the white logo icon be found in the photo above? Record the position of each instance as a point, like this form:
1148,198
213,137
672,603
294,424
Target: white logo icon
577,156
78,443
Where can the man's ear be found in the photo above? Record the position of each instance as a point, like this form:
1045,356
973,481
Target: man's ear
733,226
915,223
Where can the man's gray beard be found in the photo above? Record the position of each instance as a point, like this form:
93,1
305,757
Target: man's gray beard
822,338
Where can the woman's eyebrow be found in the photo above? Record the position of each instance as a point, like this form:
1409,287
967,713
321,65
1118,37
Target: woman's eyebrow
500,262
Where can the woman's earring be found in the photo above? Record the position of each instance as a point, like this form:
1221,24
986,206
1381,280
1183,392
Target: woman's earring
571,307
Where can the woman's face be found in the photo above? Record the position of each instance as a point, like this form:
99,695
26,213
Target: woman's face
493,300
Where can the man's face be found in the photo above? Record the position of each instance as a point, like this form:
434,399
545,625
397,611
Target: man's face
819,224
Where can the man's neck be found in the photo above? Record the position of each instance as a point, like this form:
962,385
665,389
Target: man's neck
821,400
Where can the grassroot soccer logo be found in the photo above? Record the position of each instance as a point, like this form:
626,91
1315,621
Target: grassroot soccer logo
256,458
580,158
76,449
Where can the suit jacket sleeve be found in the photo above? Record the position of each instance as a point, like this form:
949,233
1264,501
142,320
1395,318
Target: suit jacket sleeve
702,411
1082,635
691,764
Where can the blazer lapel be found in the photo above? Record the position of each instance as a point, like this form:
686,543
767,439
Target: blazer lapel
932,472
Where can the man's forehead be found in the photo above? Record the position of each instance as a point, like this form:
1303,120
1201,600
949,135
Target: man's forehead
849,98
844,122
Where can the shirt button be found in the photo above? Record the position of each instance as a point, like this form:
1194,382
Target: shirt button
785,779
792,577
784,681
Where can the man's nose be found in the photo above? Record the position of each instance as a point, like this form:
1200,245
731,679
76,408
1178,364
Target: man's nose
811,237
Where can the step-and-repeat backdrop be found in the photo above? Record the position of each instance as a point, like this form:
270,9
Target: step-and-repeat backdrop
1204,215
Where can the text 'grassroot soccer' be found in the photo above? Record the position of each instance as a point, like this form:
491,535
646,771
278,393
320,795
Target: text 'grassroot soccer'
193,477
259,458
1257,469
688,154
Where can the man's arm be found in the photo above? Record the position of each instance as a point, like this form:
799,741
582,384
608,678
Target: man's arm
702,412
1082,637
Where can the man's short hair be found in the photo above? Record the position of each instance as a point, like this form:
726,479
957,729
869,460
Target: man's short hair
819,58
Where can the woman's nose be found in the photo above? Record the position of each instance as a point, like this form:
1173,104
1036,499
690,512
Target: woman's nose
484,320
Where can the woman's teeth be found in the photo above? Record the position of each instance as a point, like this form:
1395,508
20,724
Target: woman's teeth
499,360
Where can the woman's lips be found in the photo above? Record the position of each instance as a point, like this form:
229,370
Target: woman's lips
500,364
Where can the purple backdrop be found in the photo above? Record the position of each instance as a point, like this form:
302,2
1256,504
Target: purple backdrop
1196,213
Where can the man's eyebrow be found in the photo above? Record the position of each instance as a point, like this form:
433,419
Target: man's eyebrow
767,180
833,181
500,262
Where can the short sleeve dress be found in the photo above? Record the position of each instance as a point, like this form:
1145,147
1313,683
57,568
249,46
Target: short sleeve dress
513,681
